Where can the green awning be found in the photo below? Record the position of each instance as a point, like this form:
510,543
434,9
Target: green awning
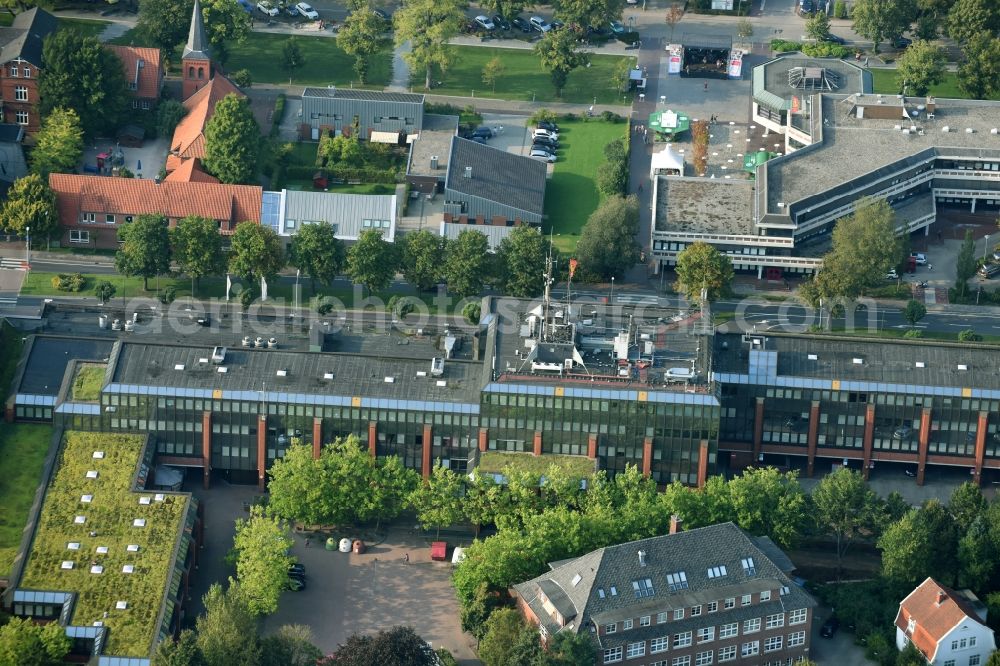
669,122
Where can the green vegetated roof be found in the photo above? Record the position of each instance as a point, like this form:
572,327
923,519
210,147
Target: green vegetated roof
88,382
494,462
109,507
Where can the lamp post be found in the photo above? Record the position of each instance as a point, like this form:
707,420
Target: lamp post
27,246
986,249
298,272
612,300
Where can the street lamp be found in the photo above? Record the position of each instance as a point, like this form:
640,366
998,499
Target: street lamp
612,301
27,246
631,24
986,250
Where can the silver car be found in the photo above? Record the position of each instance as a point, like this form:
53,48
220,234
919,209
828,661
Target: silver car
540,154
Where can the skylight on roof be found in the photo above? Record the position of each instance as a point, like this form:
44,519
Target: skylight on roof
80,520
614,591
642,587
600,592
132,548
102,550
576,579
86,499
67,564
139,522
677,581
128,568
97,569
748,566
159,497
121,605
144,500
98,454
717,572
73,545
92,474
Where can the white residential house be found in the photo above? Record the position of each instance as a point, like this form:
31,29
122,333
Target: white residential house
948,627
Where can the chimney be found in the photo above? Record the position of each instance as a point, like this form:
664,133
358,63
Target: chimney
468,172
941,596
675,522
642,558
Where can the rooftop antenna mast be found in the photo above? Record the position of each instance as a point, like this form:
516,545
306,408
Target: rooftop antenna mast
547,298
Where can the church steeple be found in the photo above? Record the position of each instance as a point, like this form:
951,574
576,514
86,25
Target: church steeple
197,43
197,68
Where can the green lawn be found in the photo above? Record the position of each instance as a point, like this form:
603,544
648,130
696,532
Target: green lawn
86,27
325,63
362,188
88,381
571,195
22,448
523,77
884,81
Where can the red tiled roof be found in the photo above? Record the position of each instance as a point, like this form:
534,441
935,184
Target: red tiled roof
189,171
150,75
189,137
933,620
76,194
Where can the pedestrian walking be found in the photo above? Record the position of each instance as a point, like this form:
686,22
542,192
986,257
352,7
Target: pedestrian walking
308,541
406,558
706,86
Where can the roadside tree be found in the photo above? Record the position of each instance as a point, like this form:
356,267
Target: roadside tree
607,246
362,35
372,261
261,545
979,73
675,12
438,501
104,291
428,25
291,57
505,8
182,652
744,29
966,504
398,645
968,18
521,262
559,56
503,630
165,22
767,502
145,248
423,256
965,265
255,252
197,248
879,20
232,141
914,311
920,67
290,645
227,632
318,252
589,12
818,26
226,23
80,74
31,203
700,267
484,500
923,543
58,144
493,70
467,263
846,508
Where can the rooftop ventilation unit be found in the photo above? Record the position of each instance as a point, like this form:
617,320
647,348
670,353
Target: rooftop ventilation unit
858,361
921,364
218,355
179,366
203,360
969,130
282,373
434,161
944,129
390,380
421,373
994,131
468,172
327,375
442,383
223,370
962,366
812,357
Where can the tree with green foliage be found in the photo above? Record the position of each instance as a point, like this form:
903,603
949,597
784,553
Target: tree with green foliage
24,643
818,26
438,502
969,335
506,8
58,144
914,311
846,508
484,500
255,252
165,22
428,25
31,203
557,51
588,12
105,291
398,645
767,502
607,246
865,247
979,72
521,262
879,20
318,252
977,548
197,248
921,66
965,264
372,261
503,630
80,74
569,649
183,652
478,610
422,258
341,150
227,632
994,659
467,263
242,78
968,18
362,35
880,649
472,312
291,57
290,645
701,269
169,114
923,543
261,545
744,29
493,70
145,248
613,173
232,141
966,504
910,656
226,23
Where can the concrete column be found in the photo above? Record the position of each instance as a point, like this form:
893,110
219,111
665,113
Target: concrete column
925,436
981,426
425,466
261,451
702,463
484,441
758,430
647,456
973,204
812,438
372,438
317,437
206,449
592,447
536,447
868,441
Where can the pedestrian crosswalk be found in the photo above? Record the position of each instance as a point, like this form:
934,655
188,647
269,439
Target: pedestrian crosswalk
16,264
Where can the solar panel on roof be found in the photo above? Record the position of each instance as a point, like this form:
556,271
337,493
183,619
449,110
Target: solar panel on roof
270,210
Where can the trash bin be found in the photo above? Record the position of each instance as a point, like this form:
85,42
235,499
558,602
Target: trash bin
102,321
331,544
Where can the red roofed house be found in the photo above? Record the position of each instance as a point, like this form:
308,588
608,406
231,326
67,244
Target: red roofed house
948,627
92,208
143,74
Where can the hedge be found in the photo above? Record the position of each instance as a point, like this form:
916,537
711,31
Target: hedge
300,172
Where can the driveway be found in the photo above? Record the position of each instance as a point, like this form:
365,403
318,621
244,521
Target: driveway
837,651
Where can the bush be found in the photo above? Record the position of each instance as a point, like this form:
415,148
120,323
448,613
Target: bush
542,114
104,291
472,312
242,78
840,9
826,50
968,335
65,282
168,114
400,306
324,308
168,295
610,116
912,334
279,112
783,46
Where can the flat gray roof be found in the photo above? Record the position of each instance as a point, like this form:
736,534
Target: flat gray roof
704,205
366,95
49,356
434,141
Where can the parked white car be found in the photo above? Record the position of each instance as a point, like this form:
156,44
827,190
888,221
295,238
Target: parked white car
548,134
306,10
919,258
485,22
266,8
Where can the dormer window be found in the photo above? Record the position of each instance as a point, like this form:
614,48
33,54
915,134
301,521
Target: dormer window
748,566
677,581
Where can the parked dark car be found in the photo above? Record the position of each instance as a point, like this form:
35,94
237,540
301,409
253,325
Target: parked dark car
902,432
542,146
547,125
557,24
297,569
901,42
834,39
546,141
381,13
829,627
521,24
482,131
501,22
